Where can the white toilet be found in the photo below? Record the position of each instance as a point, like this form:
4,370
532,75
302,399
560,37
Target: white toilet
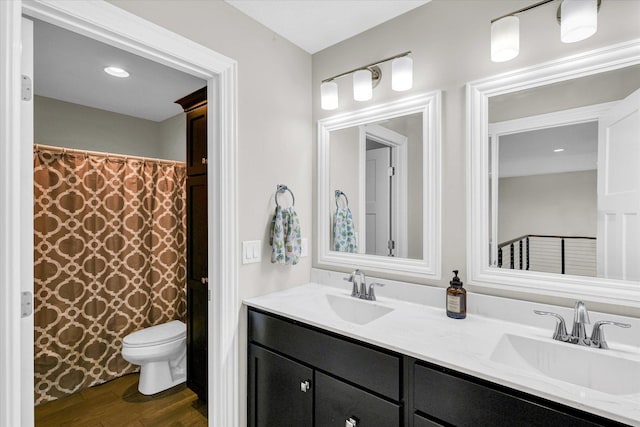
161,352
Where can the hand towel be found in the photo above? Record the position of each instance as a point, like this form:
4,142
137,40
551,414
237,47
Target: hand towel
344,234
285,239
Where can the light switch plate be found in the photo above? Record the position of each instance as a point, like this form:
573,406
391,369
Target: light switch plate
305,247
251,251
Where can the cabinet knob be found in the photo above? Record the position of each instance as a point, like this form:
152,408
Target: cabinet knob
204,160
304,386
351,422
204,280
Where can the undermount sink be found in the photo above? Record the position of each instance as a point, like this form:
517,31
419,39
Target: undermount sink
356,311
596,369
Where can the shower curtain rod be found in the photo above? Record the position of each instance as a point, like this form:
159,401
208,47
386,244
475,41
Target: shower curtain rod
124,157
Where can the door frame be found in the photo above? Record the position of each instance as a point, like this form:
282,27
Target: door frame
109,24
399,188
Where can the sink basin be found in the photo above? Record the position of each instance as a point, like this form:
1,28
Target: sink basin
596,369
356,311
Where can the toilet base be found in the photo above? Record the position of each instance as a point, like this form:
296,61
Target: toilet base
159,376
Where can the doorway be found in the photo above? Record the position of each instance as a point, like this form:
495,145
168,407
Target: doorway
121,29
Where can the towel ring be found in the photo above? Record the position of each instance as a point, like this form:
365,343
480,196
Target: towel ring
281,188
339,193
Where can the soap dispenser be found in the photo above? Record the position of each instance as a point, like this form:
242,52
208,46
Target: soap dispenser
456,298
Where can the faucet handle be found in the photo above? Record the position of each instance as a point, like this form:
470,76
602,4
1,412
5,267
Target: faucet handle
354,288
597,334
560,333
372,295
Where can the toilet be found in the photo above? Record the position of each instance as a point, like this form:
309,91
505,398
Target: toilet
161,352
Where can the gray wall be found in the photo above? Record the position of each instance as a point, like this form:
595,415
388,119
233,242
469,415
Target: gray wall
450,44
64,124
559,204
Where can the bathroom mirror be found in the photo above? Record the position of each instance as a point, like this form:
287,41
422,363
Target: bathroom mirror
553,185
379,187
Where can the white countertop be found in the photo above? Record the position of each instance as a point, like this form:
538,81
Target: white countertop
425,332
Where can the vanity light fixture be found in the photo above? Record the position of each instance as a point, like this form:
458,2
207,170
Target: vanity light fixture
366,78
578,20
116,72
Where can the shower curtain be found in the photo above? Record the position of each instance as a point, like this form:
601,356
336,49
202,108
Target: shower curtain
110,258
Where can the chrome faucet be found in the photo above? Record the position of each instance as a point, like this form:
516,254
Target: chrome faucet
580,319
579,331
357,277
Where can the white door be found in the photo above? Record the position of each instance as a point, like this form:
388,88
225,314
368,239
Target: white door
378,201
26,286
618,243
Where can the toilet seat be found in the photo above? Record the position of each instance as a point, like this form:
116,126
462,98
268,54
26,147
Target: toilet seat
156,335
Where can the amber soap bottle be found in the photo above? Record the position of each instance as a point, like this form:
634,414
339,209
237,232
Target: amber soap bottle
456,298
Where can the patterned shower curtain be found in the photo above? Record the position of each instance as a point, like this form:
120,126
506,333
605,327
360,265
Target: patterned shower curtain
110,258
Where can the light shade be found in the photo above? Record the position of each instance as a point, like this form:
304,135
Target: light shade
362,85
329,95
578,20
505,39
402,74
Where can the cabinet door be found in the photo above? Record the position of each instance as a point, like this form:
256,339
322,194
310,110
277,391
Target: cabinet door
197,287
337,401
278,392
197,141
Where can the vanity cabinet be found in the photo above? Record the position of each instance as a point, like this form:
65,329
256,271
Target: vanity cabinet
195,107
444,397
304,376
300,375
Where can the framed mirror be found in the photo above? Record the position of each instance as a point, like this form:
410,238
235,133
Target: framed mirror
379,188
553,155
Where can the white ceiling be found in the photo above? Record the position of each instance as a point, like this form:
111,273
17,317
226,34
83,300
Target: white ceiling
314,25
69,67
531,153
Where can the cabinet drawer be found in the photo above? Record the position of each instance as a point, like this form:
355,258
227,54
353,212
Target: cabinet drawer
461,402
419,421
336,402
372,369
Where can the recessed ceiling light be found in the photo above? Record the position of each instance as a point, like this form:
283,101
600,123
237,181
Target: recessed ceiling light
558,150
116,72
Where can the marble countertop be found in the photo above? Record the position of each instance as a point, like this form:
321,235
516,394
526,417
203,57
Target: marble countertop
425,332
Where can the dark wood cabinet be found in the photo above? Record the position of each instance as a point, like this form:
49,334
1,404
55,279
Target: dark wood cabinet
281,390
346,379
195,105
375,386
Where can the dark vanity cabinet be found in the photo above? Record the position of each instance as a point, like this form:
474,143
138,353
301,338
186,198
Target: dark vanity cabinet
195,106
304,376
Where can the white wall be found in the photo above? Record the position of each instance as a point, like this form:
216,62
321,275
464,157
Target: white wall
450,44
558,204
64,124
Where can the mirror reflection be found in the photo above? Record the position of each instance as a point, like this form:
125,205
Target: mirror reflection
376,187
564,183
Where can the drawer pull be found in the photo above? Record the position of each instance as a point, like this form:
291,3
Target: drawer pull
304,386
204,160
351,422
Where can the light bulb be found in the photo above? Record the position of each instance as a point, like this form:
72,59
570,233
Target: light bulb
402,74
329,95
362,85
505,39
578,20
116,72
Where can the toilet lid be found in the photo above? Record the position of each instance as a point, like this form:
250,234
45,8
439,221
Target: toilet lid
158,334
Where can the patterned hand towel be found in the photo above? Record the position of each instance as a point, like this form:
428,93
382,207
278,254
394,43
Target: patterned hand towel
285,240
344,233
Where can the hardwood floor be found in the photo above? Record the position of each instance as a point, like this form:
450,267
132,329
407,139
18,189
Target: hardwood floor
119,403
